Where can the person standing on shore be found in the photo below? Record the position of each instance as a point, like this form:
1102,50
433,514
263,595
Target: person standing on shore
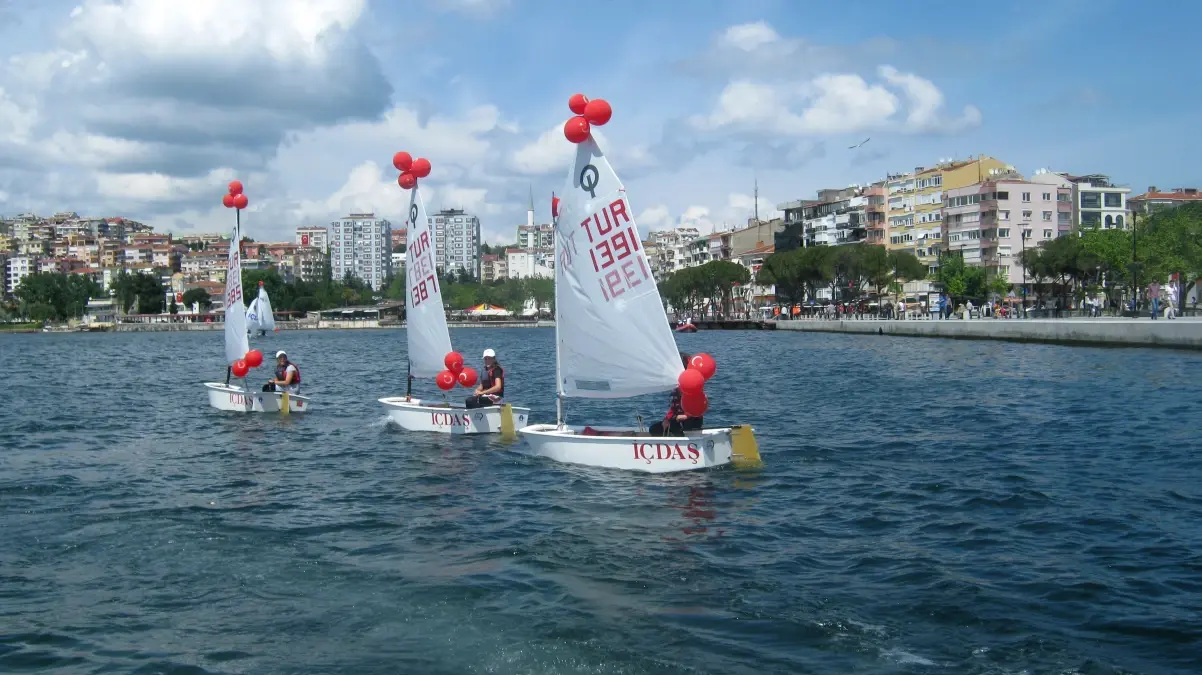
1154,297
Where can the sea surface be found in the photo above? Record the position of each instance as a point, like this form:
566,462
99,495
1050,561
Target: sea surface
925,506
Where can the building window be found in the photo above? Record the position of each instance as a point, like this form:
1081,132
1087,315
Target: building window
1118,221
1026,196
1003,232
1047,196
1093,218
1047,234
1109,221
1047,215
1091,200
1003,195
1026,215
1114,200
1003,215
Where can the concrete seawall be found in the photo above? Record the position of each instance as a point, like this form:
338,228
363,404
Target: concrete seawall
1175,334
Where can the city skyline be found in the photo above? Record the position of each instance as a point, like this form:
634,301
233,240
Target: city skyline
766,92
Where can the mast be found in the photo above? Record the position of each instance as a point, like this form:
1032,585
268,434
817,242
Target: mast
558,377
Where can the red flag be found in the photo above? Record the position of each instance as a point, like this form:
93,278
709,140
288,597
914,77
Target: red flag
554,206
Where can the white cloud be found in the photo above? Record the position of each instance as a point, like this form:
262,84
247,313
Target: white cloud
749,36
549,153
656,217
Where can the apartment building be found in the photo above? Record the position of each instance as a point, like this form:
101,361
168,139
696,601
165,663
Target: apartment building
1095,201
493,268
671,250
359,246
17,268
992,222
457,241
313,237
1154,200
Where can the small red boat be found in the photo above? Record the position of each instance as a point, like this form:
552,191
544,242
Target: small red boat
686,327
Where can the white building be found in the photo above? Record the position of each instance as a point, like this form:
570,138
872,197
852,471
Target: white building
457,237
1097,203
313,237
521,264
672,250
17,268
360,245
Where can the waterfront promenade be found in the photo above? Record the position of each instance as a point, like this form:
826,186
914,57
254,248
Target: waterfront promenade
1181,333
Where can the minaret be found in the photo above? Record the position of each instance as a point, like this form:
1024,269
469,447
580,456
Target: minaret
757,201
530,211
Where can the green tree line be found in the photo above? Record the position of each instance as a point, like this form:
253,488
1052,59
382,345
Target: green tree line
845,270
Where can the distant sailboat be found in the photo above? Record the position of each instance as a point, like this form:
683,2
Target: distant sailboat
259,316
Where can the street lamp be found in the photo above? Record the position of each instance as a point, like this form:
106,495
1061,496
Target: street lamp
1134,265
1023,236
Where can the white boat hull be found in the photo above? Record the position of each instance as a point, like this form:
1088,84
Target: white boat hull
236,399
412,414
630,451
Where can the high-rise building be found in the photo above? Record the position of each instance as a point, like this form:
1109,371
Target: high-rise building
457,238
17,268
359,246
313,237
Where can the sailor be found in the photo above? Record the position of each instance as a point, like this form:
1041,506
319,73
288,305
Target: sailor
676,422
287,375
491,389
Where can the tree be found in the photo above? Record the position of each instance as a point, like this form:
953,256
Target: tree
198,296
173,308
55,296
399,248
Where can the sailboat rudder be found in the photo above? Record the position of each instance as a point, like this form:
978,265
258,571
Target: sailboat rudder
744,450
507,430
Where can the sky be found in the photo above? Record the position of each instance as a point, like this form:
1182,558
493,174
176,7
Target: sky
147,108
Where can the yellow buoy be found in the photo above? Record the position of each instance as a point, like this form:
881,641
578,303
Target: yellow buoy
744,450
507,431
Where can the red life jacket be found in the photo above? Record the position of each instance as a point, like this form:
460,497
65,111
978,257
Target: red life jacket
281,372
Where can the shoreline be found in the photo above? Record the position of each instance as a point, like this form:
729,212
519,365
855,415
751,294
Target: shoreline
1181,333
280,325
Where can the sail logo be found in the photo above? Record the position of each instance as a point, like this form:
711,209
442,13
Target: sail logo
444,419
651,452
240,399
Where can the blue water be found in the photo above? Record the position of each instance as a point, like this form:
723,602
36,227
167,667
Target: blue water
926,506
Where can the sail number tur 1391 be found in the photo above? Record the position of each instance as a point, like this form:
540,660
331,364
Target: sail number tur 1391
614,245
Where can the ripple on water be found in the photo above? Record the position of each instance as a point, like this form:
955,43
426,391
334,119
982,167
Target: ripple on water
1007,515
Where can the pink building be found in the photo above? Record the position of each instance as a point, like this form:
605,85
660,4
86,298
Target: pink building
991,222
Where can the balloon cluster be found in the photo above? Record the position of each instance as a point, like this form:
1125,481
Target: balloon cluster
692,384
455,372
253,359
234,199
588,113
411,169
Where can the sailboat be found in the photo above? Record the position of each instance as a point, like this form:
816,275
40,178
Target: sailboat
430,354
258,314
613,338
239,357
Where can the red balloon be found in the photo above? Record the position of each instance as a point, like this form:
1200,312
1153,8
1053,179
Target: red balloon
227,201
598,111
468,377
407,180
691,383
402,161
695,405
576,129
240,201
446,380
235,187
453,361
577,103
704,364
240,368
421,167
254,358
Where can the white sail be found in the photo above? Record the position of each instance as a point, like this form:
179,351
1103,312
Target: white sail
265,319
614,340
426,319
236,344
252,316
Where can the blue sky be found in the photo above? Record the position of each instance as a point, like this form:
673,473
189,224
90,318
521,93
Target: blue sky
145,109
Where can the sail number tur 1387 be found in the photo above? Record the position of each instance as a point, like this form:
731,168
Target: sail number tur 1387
423,278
